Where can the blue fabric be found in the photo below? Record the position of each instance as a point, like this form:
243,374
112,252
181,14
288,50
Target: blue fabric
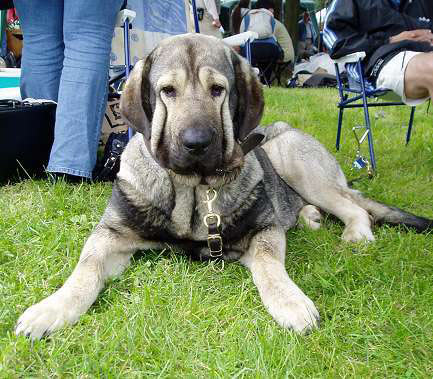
3,47
66,59
355,78
166,16
395,3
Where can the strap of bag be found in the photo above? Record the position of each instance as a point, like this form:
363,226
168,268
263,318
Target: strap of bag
246,17
108,168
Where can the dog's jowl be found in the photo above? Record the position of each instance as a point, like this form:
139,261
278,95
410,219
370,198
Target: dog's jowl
193,177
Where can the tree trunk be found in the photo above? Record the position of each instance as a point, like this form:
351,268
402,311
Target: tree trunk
292,11
277,10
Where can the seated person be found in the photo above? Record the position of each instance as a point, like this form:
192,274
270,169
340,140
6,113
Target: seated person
398,42
307,37
265,50
285,42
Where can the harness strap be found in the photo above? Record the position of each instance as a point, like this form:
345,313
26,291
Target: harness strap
251,141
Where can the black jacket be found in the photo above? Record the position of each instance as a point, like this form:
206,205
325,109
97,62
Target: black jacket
367,25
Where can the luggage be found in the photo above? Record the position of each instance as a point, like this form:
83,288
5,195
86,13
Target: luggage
260,21
26,137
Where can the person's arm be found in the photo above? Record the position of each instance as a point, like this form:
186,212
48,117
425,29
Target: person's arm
284,40
341,33
212,9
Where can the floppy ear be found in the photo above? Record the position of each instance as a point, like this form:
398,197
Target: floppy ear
250,104
137,100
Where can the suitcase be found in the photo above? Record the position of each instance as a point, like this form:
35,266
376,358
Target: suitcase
26,137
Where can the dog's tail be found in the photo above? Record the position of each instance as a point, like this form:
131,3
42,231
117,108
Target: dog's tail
382,213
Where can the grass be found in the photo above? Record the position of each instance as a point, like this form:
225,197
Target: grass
168,317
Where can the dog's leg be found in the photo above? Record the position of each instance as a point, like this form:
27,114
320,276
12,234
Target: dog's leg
106,253
313,172
284,300
356,219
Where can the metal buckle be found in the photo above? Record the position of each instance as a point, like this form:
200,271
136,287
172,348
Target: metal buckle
219,240
111,161
206,220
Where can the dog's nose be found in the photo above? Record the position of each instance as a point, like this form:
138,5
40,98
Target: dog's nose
197,140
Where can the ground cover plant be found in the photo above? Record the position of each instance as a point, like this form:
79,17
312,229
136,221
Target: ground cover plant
168,317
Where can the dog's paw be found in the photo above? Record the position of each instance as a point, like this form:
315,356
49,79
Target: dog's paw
43,318
357,233
310,216
297,312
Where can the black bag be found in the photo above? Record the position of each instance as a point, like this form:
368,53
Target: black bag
321,80
26,135
108,167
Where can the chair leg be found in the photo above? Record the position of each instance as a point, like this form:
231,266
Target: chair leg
367,117
340,123
370,134
409,128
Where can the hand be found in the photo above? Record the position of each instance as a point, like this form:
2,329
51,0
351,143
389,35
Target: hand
216,22
420,35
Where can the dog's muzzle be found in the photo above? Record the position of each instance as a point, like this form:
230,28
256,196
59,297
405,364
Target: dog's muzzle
196,141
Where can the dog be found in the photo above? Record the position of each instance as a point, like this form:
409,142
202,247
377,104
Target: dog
194,178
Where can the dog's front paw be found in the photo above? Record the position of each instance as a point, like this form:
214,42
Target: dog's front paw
297,312
43,318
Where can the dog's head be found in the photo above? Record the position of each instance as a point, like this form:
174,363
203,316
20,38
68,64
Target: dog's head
194,100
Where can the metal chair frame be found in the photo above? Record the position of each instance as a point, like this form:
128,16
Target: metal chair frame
350,95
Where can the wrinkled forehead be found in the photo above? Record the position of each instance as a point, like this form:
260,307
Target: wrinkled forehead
191,54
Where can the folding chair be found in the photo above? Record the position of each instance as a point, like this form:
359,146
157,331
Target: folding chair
124,19
358,88
244,40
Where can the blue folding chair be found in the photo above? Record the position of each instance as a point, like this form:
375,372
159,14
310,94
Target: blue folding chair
360,89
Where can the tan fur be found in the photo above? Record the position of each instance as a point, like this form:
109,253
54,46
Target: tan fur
159,194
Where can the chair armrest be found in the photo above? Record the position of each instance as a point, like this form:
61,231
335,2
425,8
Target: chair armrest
123,15
350,58
241,38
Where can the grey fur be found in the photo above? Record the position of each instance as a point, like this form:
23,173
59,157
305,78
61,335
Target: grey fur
159,195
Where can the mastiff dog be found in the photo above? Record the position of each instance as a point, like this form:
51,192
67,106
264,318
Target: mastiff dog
201,176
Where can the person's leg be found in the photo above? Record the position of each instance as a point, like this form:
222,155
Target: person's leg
42,59
409,75
87,31
418,78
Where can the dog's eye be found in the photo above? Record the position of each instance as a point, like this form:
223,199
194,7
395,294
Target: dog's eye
216,90
169,91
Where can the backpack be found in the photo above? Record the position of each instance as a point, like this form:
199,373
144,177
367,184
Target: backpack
260,21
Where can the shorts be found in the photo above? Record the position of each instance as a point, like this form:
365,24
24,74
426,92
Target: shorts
391,77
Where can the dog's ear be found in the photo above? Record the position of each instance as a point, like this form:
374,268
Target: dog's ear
137,100
250,101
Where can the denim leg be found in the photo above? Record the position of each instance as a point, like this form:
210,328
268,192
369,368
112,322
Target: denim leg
42,59
87,32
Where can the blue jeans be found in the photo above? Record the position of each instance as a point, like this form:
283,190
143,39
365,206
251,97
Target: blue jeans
66,53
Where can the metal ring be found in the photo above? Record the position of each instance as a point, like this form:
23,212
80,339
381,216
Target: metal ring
211,215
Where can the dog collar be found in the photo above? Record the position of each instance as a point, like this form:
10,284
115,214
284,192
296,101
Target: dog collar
251,141
212,221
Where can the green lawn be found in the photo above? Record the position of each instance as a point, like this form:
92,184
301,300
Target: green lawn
169,317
